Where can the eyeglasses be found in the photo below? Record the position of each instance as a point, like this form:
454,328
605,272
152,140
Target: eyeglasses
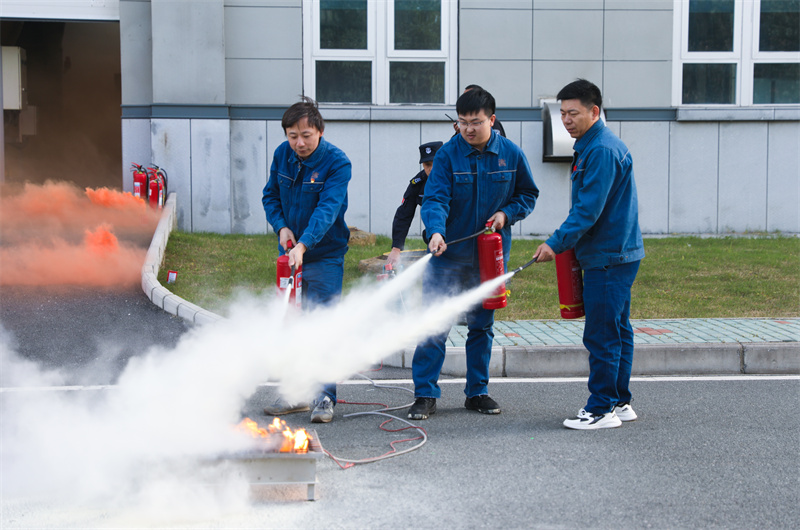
474,124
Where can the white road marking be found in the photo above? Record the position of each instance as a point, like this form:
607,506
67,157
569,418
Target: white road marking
461,381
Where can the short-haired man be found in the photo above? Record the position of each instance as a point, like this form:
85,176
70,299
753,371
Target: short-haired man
603,227
497,126
411,199
305,200
477,177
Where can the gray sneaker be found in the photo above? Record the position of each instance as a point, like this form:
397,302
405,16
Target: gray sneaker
323,411
281,406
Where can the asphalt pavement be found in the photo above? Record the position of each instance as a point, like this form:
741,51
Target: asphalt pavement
719,451
705,452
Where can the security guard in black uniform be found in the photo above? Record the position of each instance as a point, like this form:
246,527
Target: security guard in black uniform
411,199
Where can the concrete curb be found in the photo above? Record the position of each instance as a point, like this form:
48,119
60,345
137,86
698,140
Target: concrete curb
522,361
157,293
712,358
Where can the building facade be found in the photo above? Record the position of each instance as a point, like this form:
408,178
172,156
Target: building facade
705,93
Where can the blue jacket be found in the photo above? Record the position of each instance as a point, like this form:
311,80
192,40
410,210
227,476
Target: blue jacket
603,222
310,197
467,186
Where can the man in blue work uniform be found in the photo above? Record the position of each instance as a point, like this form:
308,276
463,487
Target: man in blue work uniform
477,177
305,200
603,227
411,199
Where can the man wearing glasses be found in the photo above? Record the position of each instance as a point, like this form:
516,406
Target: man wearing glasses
477,177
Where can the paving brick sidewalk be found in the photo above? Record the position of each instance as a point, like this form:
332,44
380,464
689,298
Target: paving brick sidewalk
543,348
666,331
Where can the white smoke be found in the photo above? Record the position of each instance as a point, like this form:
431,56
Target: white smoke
142,440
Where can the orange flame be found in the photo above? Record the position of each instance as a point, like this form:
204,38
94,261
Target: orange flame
293,441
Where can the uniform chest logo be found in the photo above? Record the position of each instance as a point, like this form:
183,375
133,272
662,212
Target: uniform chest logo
314,176
502,163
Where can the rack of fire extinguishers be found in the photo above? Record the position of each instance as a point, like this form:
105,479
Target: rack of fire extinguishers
490,260
150,184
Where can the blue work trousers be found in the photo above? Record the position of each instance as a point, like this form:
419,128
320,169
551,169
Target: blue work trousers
322,286
444,277
608,334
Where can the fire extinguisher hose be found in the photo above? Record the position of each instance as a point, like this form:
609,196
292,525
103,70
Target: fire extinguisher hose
459,240
531,262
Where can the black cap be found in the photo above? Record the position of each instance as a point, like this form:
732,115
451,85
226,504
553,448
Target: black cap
428,151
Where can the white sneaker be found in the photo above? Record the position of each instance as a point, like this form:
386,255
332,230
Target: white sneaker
587,420
625,412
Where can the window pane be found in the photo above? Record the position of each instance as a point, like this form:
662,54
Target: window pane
343,24
344,81
417,24
779,27
776,83
416,82
709,83
711,25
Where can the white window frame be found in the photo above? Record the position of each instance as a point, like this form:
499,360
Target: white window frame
745,53
380,49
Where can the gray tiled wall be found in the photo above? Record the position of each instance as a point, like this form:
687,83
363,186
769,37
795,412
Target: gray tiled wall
692,177
536,47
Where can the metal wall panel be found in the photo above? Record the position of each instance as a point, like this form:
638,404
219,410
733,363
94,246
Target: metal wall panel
553,182
693,157
353,139
637,84
248,176
263,81
211,178
648,143
135,149
501,34
263,33
171,149
136,53
629,35
551,40
783,177
394,161
551,76
188,52
742,176
508,81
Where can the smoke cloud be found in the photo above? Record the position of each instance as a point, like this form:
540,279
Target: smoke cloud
140,445
56,234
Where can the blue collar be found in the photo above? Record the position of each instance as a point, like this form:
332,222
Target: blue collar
492,146
583,141
316,156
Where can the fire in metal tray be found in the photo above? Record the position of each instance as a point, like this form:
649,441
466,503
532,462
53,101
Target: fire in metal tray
277,437
279,456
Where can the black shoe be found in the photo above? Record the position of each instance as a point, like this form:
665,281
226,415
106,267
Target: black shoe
483,404
422,408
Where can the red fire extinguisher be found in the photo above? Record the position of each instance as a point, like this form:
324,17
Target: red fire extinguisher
289,279
156,186
388,272
490,259
570,284
139,181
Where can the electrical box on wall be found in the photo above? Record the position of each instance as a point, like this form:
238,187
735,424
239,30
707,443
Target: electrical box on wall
13,78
